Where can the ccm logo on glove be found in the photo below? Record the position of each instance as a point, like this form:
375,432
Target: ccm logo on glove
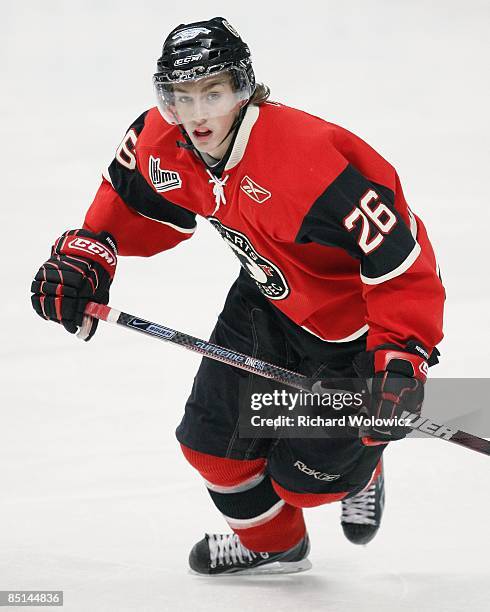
92,248
80,270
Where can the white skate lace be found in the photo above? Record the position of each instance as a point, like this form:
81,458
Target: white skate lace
218,189
360,509
227,549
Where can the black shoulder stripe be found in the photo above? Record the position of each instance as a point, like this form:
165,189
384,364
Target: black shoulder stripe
139,123
133,189
338,219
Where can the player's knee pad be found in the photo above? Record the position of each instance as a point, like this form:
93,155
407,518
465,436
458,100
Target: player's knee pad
222,471
307,500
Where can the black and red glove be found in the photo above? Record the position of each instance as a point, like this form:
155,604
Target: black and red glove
396,376
81,269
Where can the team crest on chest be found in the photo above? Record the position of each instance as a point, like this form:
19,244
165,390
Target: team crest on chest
267,276
254,191
163,180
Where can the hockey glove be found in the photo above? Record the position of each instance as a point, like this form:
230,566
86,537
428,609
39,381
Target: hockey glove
80,269
396,377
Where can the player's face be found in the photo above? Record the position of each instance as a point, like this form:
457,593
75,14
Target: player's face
207,109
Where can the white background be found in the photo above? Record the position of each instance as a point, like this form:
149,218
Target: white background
95,496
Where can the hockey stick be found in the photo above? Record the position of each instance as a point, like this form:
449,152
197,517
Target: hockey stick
268,370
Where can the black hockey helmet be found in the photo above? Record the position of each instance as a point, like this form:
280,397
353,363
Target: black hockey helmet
198,50
202,48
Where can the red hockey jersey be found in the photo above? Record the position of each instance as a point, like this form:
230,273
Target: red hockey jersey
316,217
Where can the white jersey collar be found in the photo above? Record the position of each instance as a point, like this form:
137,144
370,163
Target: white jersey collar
241,141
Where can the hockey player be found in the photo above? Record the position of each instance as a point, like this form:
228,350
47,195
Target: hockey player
338,279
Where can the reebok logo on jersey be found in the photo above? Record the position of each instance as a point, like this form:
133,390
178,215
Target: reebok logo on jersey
254,191
163,180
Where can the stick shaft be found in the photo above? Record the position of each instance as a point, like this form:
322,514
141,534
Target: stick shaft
267,370
207,349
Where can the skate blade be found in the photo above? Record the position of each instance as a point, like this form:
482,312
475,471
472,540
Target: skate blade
291,567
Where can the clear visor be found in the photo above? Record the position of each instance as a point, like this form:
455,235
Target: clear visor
215,95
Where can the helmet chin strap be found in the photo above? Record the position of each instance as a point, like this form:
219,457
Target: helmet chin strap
188,142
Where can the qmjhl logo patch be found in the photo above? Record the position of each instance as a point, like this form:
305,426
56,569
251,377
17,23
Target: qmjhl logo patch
163,180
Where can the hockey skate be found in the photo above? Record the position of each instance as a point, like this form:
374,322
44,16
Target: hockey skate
218,554
361,514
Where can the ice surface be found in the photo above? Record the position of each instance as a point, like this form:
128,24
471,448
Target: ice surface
95,496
